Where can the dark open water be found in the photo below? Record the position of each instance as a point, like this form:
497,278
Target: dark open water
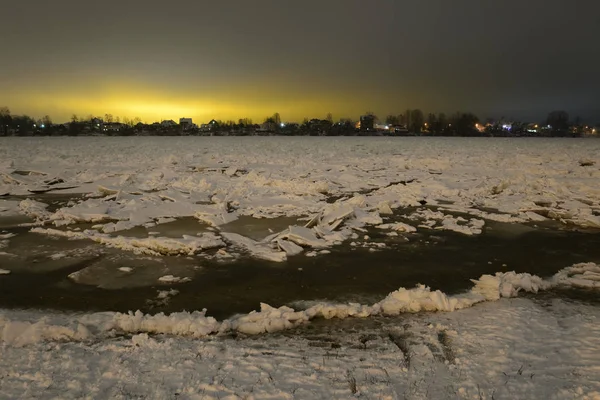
442,260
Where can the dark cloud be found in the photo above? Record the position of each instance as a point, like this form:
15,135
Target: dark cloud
520,58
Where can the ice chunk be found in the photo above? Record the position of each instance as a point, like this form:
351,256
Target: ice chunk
268,319
337,213
216,219
398,227
304,237
257,249
384,208
173,279
290,248
34,209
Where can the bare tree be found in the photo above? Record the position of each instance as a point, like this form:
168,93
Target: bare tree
5,119
416,120
558,120
392,120
47,121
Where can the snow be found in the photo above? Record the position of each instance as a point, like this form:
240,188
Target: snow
22,333
4,272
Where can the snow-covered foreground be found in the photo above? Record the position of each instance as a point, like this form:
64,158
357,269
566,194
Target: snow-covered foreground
513,349
334,186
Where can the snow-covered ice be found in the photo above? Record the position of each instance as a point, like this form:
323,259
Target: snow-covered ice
218,180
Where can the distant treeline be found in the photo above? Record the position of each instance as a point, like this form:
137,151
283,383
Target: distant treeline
410,123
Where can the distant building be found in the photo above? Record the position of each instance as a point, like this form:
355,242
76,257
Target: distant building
113,127
400,129
97,124
532,128
186,123
212,125
168,123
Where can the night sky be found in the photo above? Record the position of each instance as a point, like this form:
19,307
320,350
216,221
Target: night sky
231,59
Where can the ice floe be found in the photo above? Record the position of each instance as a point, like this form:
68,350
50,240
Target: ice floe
187,245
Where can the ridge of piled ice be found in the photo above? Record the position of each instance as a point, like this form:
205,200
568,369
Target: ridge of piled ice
195,324
270,319
22,333
267,320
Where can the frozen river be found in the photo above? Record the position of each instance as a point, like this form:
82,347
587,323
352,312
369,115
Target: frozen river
317,228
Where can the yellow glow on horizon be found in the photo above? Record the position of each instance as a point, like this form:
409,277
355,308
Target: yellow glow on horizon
130,102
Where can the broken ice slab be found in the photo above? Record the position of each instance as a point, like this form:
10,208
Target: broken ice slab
337,213
257,249
217,219
290,248
258,229
398,227
303,237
